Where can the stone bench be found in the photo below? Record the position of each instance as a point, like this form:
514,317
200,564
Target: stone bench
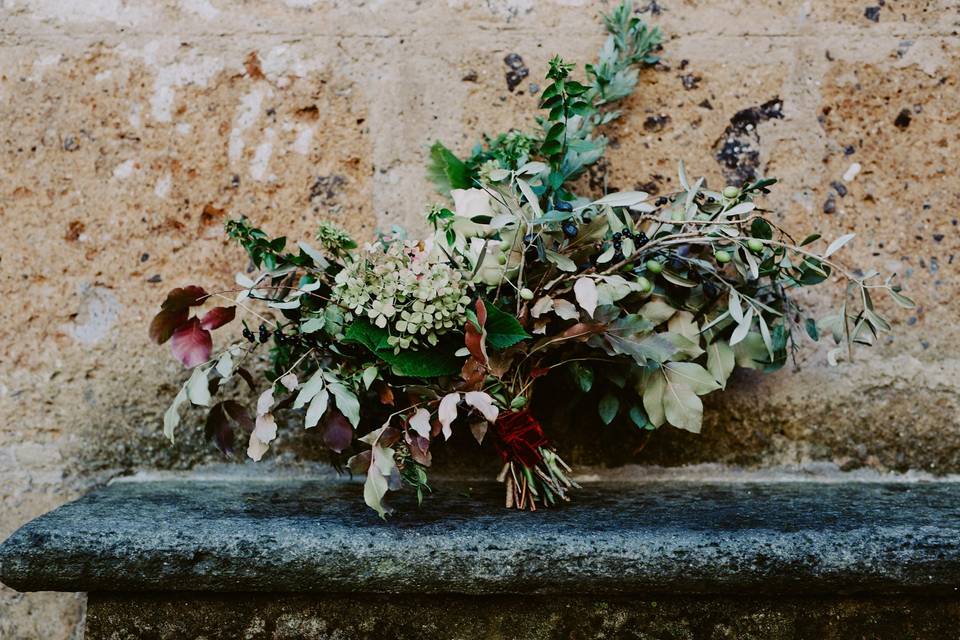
306,559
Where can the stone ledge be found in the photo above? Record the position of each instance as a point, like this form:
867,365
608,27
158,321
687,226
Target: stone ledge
316,536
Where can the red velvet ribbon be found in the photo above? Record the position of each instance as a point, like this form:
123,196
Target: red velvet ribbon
519,438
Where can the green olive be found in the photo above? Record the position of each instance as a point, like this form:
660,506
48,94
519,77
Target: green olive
502,258
654,267
645,285
731,192
526,294
754,245
518,403
722,256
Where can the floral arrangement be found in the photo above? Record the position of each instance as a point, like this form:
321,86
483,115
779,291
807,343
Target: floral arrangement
647,303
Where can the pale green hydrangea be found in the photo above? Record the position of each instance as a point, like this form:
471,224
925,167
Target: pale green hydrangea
400,289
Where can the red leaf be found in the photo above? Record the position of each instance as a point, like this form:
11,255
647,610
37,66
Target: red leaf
338,433
219,428
184,297
191,343
361,462
239,414
166,322
217,317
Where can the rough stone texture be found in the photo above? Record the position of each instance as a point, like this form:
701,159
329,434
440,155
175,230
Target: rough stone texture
620,538
372,617
129,130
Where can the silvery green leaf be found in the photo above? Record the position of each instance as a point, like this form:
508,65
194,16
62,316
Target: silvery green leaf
318,406
751,353
313,325
733,304
739,209
172,416
643,207
628,247
682,174
606,256
530,196
692,375
346,401
751,262
653,398
224,365
682,407
743,327
765,334
289,304
720,361
657,311
369,375
837,244
901,299
532,168
691,195
608,408
621,199
502,220
499,174
563,262
309,389
585,291
318,258
198,390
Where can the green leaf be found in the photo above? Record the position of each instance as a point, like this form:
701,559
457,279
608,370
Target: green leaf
346,401
760,228
608,408
720,361
811,326
503,329
583,375
446,171
682,407
639,418
428,363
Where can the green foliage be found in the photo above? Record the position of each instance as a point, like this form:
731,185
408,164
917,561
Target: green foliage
446,171
427,363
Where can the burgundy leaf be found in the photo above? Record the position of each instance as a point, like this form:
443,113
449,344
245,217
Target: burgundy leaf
217,317
239,414
338,433
191,344
219,429
419,449
184,297
166,322
360,463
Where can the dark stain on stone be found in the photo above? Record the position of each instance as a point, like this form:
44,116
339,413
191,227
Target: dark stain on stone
70,144
210,215
705,104
652,186
144,257
74,229
849,150
830,205
155,279
652,7
839,187
326,188
469,76
252,65
738,149
309,113
656,123
902,121
516,72
872,14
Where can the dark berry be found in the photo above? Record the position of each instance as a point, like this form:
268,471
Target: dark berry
709,289
661,201
562,205
264,334
248,335
617,236
569,229
641,239
628,234
676,264
618,256
279,337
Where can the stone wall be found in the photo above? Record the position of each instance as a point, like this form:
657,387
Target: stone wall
130,129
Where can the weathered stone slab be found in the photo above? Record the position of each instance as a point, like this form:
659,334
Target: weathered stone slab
530,617
618,538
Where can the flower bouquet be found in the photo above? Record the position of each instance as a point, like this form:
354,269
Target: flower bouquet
647,303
